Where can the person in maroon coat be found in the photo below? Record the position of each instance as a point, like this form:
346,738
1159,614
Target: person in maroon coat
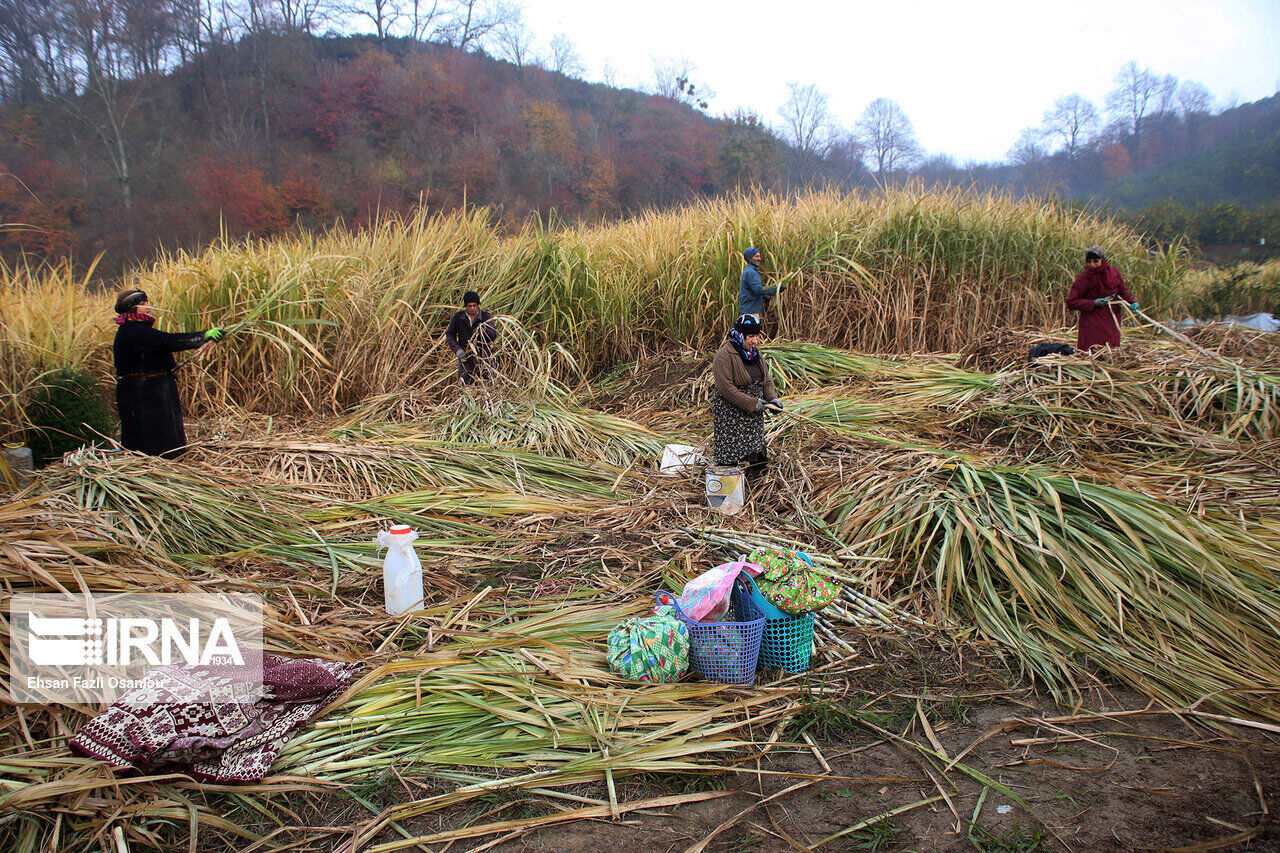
1092,294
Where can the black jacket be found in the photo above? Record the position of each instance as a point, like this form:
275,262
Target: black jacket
141,348
461,330
146,391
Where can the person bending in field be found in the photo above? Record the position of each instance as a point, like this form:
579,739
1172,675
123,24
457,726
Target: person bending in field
1095,296
146,390
469,334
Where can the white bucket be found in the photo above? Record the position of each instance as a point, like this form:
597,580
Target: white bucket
16,468
679,458
726,489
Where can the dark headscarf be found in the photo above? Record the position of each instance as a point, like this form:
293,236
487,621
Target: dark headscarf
743,326
130,299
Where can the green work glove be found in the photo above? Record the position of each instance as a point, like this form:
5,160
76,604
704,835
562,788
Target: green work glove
776,403
214,334
1100,301
1133,306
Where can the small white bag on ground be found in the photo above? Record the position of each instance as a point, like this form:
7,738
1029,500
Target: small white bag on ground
679,458
401,570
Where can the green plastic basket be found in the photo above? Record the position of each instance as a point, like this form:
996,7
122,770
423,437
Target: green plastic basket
787,642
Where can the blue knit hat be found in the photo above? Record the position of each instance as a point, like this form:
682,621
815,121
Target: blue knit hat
749,253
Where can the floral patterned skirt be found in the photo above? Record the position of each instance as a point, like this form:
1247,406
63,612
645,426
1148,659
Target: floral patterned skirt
738,434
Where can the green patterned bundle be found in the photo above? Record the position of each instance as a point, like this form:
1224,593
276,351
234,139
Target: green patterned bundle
650,648
791,583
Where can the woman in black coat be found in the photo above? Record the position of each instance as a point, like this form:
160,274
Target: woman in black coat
146,391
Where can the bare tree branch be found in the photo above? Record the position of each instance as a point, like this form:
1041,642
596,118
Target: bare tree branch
470,22
564,56
808,125
1130,100
887,136
1072,119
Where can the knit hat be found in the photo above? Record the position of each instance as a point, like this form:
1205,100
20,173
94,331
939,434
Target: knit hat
749,253
1094,253
469,297
747,324
129,300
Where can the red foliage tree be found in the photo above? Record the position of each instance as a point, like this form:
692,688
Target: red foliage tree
666,156
40,206
472,168
1115,161
304,198
239,194
334,113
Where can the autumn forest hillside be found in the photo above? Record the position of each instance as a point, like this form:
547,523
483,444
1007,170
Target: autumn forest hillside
271,133
115,148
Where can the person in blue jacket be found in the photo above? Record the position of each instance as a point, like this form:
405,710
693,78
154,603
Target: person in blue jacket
752,294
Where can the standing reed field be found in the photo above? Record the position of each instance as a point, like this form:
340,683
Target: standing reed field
333,319
1245,288
54,321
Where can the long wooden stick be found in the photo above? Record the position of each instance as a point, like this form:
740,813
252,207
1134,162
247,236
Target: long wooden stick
1177,336
1183,339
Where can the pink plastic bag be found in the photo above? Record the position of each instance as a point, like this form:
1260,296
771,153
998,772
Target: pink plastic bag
706,597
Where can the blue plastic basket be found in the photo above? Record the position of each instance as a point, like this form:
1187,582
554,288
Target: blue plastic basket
724,651
787,642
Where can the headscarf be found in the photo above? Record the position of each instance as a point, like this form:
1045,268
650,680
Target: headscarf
746,324
739,342
126,302
130,299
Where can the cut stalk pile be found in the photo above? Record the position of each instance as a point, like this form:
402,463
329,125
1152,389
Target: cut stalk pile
1068,574
529,693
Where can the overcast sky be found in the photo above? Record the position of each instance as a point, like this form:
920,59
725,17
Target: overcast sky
970,76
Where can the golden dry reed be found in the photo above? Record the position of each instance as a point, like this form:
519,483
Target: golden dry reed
342,316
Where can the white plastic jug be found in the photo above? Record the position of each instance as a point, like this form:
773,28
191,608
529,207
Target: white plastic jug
16,468
401,570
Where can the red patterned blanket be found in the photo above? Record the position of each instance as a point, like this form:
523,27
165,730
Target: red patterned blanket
212,721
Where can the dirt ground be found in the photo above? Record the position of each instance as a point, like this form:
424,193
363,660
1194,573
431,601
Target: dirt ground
1114,774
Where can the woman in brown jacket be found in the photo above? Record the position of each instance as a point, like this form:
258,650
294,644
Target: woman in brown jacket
743,390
